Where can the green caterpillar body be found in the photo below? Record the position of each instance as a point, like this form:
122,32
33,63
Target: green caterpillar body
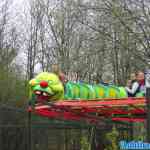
95,91
47,86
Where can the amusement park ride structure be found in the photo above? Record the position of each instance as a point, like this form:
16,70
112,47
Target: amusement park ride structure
89,110
94,111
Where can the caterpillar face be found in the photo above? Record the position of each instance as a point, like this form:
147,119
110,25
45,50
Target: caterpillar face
47,87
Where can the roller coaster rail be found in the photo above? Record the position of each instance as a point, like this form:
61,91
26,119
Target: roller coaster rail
94,111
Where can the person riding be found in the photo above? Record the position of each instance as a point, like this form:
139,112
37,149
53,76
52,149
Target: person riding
141,81
132,85
107,80
56,69
137,84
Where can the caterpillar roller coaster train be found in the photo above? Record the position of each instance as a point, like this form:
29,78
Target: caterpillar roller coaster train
47,86
81,101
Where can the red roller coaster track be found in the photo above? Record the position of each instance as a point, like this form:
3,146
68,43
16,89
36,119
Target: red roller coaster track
94,111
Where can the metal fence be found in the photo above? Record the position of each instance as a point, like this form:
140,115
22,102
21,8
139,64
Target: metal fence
19,131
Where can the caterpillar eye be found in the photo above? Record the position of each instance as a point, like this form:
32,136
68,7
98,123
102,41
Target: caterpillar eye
50,82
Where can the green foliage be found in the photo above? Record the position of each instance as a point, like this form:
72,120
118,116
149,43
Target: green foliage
85,145
139,132
12,87
112,138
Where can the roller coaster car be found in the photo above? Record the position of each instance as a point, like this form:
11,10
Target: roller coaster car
80,101
47,87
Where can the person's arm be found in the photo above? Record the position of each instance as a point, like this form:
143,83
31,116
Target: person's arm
133,89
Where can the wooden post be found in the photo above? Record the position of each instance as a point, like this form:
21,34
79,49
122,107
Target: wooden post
147,83
29,127
148,113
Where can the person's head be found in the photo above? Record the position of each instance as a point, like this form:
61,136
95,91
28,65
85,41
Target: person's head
107,78
129,83
140,76
55,68
62,77
132,76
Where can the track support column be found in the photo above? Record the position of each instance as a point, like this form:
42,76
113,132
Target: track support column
147,83
29,127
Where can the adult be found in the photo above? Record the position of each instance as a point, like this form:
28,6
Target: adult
141,81
137,84
56,69
132,87
107,80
